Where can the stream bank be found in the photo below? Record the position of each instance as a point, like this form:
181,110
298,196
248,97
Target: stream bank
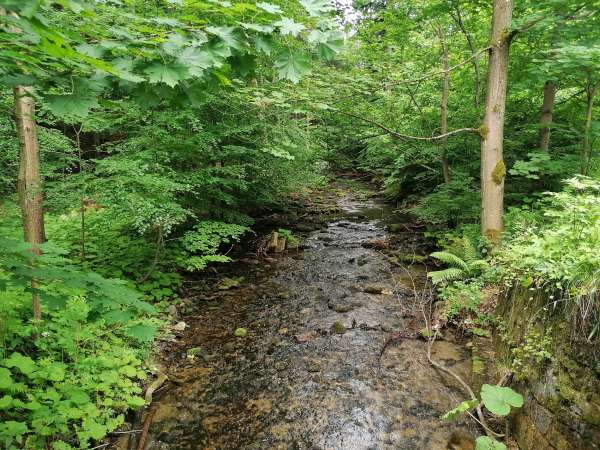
305,373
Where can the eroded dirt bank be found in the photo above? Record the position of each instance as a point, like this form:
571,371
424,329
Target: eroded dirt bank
307,373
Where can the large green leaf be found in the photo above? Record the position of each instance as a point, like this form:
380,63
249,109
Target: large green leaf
197,60
316,8
227,35
487,443
74,106
6,380
170,74
293,66
499,399
288,26
24,363
263,44
142,333
269,7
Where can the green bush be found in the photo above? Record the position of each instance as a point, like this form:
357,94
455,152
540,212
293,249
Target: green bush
75,372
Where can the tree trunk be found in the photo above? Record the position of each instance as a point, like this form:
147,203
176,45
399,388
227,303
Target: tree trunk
493,169
29,178
546,115
444,108
586,151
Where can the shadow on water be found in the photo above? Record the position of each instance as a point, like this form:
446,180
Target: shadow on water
307,375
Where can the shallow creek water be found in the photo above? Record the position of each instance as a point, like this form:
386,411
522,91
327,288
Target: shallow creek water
307,374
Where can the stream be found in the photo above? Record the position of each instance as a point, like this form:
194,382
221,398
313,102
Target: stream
307,374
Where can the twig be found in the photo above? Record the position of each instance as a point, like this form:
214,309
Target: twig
146,428
442,72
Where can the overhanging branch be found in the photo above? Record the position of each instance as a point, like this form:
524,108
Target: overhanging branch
407,136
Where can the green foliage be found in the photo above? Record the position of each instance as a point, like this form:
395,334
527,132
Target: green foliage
488,443
461,408
557,250
74,374
499,399
455,202
466,266
201,245
532,352
291,240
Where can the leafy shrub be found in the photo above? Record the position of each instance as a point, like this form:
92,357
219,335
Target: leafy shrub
462,305
561,252
75,372
201,245
455,202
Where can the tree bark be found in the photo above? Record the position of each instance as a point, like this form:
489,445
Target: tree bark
493,170
444,109
29,179
546,114
586,151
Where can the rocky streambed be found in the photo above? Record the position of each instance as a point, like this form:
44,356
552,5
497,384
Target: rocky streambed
305,372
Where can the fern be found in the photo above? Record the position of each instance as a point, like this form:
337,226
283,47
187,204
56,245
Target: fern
446,275
459,269
451,259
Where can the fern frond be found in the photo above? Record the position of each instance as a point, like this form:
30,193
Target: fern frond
451,259
446,275
468,249
478,264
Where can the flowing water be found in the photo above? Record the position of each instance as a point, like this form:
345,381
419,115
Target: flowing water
308,375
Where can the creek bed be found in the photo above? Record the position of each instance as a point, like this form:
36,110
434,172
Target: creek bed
307,374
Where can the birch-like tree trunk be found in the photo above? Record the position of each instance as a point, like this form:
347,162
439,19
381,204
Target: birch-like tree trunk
444,108
493,170
546,114
29,179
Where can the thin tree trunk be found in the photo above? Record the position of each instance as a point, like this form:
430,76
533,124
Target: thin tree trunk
586,150
29,178
493,170
444,108
546,115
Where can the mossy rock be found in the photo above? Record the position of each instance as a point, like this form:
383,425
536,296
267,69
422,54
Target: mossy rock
240,332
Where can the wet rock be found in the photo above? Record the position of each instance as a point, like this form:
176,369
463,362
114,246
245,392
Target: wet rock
361,261
338,328
304,337
340,307
229,347
374,288
228,283
305,227
179,326
173,311
313,367
395,227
